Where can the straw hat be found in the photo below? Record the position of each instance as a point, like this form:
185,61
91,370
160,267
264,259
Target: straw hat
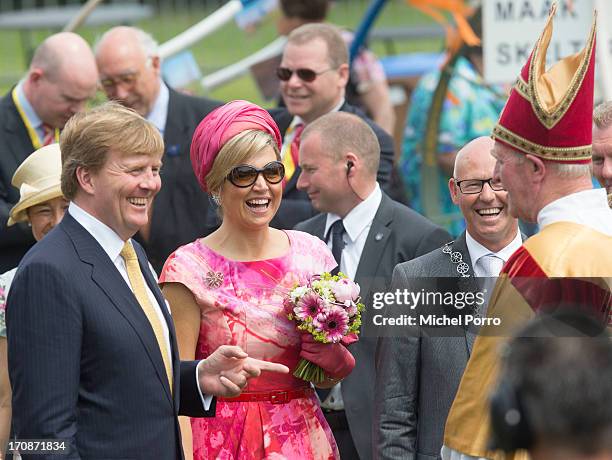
38,180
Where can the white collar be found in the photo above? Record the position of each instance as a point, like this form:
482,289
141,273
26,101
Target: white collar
477,250
28,110
159,113
588,207
298,120
102,233
358,218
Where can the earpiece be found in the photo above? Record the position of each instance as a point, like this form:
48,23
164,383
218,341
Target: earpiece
349,165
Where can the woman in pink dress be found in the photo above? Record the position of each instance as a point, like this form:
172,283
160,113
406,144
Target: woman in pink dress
228,288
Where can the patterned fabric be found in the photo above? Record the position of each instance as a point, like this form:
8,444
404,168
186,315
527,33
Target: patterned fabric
5,283
241,304
470,110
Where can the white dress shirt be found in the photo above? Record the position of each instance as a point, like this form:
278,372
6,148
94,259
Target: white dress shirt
112,244
357,224
159,112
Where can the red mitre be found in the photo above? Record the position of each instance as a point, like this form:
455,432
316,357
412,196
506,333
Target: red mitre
550,113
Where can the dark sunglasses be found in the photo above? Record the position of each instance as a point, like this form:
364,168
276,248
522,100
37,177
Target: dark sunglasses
307,75
245,175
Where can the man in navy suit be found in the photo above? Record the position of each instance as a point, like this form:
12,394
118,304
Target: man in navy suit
93,358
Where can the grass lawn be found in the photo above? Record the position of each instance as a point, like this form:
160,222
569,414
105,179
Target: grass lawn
225,46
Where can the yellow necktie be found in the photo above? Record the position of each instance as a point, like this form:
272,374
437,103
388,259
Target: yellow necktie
138,287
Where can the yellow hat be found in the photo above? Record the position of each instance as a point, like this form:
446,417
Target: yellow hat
38,180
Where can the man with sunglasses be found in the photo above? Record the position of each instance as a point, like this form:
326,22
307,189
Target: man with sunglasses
369,234
130,73
314,72
411,401
61,78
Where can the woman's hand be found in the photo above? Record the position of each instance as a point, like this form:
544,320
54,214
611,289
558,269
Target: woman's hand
333,358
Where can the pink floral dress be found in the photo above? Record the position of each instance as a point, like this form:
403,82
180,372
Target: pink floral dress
241,304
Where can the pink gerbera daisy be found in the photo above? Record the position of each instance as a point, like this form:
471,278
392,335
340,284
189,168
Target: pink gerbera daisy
309,306
334,323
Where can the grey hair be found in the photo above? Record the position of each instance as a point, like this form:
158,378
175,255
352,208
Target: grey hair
571,171
147,43
602,115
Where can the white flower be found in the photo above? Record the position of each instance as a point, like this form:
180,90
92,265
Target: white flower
297,293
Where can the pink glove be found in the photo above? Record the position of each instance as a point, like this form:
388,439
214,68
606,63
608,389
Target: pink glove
333,358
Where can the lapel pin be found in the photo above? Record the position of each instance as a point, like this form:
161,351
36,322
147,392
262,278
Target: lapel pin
378,236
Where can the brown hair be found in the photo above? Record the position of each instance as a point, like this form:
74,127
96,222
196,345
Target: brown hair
89,136
311,10
337,51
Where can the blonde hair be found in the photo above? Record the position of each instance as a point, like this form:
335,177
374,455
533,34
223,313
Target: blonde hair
237,151
89,136
337,51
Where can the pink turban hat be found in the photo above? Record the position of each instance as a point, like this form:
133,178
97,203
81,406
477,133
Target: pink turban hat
221,125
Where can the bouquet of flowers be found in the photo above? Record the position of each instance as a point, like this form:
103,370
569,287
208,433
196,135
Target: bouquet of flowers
329,308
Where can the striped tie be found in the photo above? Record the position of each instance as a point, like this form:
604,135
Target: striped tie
49,134
291,157
138,287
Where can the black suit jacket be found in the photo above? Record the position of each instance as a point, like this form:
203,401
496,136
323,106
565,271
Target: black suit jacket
15,146
295,206
84,362
181,207
397,234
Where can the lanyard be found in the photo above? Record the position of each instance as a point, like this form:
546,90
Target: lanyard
36,142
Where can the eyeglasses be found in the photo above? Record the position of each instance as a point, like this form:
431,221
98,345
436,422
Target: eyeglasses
473,186
307,75
245,175
127,79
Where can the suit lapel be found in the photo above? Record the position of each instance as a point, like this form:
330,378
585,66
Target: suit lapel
466,284
110,281
175,132
374,248
20,139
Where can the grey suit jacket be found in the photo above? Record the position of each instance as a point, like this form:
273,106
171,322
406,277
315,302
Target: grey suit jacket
418,373
397,234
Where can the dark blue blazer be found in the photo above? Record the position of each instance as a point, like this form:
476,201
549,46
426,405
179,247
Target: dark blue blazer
84,363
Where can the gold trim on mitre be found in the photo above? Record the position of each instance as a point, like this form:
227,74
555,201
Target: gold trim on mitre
521,87
552,92
546,152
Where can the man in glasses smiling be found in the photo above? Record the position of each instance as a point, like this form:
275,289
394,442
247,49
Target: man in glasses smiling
130,73
314,72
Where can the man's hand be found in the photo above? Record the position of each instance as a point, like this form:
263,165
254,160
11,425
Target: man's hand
225,373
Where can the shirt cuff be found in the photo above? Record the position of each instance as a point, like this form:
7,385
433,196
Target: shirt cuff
206,399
